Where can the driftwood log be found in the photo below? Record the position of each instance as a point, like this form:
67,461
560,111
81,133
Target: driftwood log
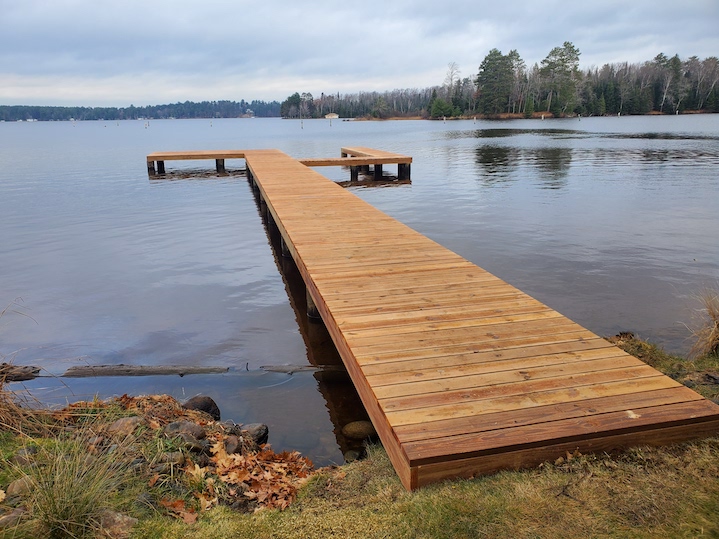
87,371
18,373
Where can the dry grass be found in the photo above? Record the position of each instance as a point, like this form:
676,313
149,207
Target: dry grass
71,487
645,493
706,332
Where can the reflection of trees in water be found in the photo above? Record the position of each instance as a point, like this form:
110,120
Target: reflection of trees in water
496,163
554,165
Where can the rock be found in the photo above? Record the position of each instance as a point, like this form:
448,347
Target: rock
231,427
353,455
711,377
178,428
116,525
203,404
359,430
163,468
193,444
233,445
259,432
12,519
20,487
125,426
23,456
175,457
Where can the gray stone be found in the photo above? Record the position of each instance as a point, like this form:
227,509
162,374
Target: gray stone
231,427
190,443
233,444
125,426
359,430
178,428
23,456
205,404
259,432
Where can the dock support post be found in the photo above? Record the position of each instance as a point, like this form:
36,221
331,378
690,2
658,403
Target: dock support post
403,171
151,168
250,177
378,172
354,174
285,248
220,165
312,313
160,167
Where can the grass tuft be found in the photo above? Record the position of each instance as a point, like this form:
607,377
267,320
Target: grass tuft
71,486
706,333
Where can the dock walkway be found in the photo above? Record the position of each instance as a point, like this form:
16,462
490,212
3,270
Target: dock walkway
460,372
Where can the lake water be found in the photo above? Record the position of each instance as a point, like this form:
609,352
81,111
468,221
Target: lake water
611,221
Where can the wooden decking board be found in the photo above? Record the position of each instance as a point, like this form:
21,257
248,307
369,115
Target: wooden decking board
417,403
377,357
460,372
561,430
521,401
551,412
492,334
467,379
402,373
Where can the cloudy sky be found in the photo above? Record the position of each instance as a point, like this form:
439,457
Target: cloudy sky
144,52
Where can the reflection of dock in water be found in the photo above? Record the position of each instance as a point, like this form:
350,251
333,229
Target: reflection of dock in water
333,382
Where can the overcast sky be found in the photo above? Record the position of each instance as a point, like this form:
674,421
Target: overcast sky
145,52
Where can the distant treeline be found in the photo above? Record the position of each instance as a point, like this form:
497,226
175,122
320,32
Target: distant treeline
504,85
188,109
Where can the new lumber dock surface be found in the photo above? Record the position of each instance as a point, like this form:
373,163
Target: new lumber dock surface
460,372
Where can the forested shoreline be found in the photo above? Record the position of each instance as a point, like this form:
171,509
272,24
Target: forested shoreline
503,86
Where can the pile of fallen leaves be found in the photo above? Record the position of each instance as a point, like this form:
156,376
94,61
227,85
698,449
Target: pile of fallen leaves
249,479
256,479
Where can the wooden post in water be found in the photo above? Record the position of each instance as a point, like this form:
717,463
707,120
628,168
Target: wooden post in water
403,171
285,249
220,165
354,174
160,167
378,172
151,168
312,312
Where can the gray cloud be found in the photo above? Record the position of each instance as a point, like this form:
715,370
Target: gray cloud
152,51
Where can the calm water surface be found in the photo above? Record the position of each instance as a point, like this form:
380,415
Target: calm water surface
611,221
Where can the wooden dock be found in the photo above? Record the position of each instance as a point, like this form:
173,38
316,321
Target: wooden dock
355,158
461,373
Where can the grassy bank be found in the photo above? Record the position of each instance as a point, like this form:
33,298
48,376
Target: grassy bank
644,492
